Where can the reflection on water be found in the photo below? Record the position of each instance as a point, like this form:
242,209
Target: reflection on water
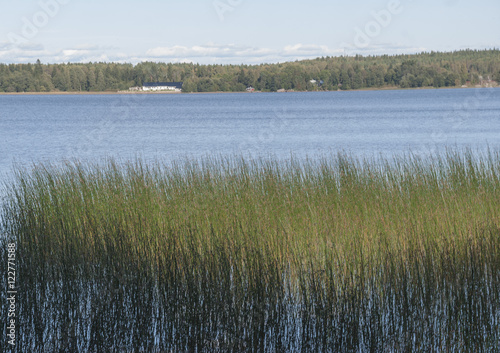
402,307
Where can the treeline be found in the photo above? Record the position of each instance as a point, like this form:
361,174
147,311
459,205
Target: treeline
433,69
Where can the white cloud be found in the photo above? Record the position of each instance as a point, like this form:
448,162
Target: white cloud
88,52
309,49
31,46
382,49
232,53
27,52
30,52
4,46
208,50
91,47
209,53
25,47
74,52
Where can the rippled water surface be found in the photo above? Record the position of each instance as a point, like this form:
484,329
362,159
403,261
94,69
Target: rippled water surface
56,127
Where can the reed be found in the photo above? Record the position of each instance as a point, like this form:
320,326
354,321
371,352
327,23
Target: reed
232,254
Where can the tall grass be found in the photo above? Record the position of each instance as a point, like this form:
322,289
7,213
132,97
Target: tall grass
232,254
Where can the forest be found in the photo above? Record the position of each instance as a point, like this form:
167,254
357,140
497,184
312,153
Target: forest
433,69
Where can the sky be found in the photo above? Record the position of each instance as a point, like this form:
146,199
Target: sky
239,31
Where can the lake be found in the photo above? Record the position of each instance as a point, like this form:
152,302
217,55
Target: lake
263,260
37,128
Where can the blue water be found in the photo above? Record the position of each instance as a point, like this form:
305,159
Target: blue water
36,128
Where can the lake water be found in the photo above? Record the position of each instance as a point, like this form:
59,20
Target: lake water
55,127
119,308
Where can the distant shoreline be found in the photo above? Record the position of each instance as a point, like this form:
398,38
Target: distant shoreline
388,88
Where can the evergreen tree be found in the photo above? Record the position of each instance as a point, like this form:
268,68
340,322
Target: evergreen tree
420,70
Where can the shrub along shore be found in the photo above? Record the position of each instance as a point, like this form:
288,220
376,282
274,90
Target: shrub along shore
233,254
434,69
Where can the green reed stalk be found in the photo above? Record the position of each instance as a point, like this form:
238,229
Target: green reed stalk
367,241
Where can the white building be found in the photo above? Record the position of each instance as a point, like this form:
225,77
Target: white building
162,86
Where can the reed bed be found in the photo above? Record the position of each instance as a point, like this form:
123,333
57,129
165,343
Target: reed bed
235,254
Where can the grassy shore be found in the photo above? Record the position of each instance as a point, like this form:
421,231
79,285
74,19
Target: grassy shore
384,88
72,93
338,254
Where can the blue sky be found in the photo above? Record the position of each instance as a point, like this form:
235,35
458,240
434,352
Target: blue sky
239,31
